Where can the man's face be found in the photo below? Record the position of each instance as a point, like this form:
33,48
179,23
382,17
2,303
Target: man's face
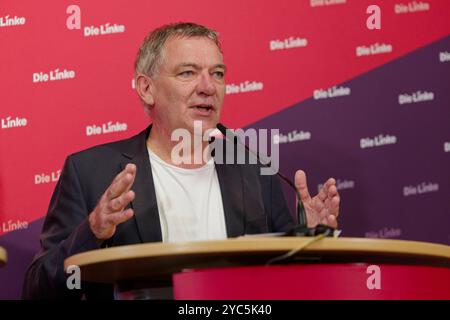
189,84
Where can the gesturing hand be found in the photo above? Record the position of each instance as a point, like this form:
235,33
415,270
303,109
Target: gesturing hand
109,212
324,207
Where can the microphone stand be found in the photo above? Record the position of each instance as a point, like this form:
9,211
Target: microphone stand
301,229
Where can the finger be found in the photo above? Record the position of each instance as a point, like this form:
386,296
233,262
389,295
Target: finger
119,186
332,191
109,192
120,217
117,204
334,205
325,190
129,168
331,221
301,185
123,184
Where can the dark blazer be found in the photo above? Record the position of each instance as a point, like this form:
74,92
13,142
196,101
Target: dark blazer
252,204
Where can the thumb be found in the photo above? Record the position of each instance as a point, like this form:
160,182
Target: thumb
301,185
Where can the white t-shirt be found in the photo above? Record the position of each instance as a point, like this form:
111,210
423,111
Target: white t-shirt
189,201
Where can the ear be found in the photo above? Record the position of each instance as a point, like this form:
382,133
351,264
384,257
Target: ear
144,88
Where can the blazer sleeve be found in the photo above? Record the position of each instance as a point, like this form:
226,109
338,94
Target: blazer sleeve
66,231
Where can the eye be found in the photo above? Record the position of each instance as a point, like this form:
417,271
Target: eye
186,74
219,74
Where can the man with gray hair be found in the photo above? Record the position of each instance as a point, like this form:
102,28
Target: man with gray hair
140,194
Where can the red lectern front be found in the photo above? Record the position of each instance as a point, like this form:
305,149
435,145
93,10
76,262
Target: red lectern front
318,282
342,268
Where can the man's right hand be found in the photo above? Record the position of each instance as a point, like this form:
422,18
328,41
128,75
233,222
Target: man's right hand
109,212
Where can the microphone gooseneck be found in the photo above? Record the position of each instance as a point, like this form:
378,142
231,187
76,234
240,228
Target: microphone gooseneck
301,229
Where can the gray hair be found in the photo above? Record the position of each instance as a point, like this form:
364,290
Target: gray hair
149,54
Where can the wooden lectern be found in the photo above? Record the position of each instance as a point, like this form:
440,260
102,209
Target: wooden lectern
3,257
240,268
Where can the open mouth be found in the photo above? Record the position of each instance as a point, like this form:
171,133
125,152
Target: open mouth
204,107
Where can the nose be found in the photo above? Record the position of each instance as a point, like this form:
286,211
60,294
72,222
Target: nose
206,85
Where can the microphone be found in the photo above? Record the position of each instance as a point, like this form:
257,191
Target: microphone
301,229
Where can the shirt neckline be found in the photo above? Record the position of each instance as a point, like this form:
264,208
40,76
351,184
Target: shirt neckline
154,156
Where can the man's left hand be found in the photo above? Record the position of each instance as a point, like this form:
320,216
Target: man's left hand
322,208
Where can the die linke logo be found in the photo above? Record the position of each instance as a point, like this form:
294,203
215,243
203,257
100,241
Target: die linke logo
321,3
340,184
384,233
421,188
242,87
413,6
74,22
293,136
44,178
10,122
444,56
12,225
415,97
378,141
373,49
54,75
288,43
332,92
104,128
11,21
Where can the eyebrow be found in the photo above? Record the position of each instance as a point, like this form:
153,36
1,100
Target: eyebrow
196,66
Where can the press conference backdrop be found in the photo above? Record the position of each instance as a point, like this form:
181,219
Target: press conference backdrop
358,94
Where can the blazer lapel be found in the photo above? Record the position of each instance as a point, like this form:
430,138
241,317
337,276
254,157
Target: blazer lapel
241,192
231,187
144,205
